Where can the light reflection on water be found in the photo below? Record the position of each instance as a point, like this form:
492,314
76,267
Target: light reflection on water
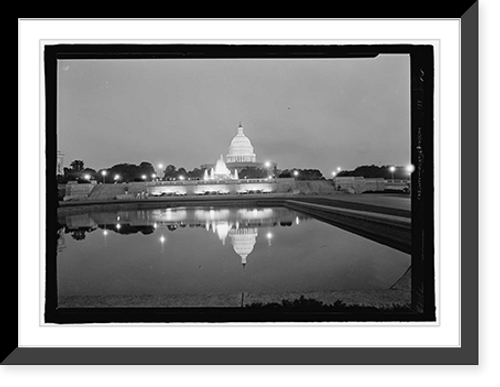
179,251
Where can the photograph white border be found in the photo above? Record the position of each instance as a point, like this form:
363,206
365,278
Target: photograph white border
445,333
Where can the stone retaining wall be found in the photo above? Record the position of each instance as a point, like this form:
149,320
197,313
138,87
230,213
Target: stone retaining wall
75,191
141,190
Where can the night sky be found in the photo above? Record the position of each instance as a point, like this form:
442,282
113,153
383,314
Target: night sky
301,113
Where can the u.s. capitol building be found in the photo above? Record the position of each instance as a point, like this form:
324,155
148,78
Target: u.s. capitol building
241,154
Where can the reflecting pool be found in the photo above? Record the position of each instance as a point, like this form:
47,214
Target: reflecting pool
213,256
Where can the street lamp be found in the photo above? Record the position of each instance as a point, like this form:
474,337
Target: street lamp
103,173
409,169
117,177
160,167
296,173
392,169
143,177
181,177
334,174
267,164
86,176
339,169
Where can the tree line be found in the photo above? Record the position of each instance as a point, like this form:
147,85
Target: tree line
123,172
381,172
145,171
127,172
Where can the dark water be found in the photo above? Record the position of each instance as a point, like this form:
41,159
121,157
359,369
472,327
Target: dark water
203,250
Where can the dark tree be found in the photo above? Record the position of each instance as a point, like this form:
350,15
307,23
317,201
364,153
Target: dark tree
196,173
69,174
374,172
181,172
77,165
309,174
127,172
146,168
170,172
78,235
88,171
253,173
285,173
130,172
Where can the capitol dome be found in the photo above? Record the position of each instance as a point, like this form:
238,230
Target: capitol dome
241,149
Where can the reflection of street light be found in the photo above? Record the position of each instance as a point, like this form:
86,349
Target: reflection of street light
392,169
162,241
269,236
103,173
105,233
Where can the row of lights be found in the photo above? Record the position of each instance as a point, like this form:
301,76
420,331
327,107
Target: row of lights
267,164
118,177
409,169
392,169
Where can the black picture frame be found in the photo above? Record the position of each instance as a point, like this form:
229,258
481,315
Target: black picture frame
467,353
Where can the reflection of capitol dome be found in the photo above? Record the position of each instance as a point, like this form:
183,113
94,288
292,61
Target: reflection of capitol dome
241,149
243,241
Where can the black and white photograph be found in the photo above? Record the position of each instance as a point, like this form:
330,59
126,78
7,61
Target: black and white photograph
226,183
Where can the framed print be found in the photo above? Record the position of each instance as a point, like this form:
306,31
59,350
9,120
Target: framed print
264,209
286,193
